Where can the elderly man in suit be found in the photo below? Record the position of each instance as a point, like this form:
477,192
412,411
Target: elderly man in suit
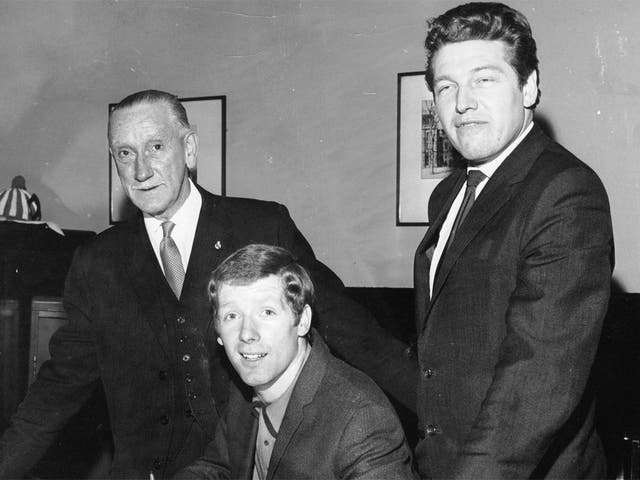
306,413
512,277
139,315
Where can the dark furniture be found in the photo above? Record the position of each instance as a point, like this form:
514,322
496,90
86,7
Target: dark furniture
34,261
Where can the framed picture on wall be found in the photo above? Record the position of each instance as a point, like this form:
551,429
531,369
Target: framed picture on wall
424,154
207,116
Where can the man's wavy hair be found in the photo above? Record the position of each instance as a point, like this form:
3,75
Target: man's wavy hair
254,262
485,21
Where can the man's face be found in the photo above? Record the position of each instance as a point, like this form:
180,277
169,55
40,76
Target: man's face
478,98
258,330
152,153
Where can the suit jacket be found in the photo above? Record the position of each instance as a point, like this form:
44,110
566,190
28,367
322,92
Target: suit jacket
164,377
338,424
507,341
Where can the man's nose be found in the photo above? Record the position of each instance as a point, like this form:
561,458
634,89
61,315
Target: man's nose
143,169
248,332
465,99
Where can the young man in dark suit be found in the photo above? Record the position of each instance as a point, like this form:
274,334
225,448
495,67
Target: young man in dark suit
139,316
512,278
305,414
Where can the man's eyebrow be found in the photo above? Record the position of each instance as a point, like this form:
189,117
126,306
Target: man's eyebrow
474,70
492,68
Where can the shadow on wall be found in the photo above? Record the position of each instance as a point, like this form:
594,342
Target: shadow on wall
57,141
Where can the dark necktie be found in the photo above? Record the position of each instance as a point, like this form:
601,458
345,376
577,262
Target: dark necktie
262,408
171,261
474,177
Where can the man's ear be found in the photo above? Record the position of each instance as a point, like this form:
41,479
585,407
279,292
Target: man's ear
530,90
304,325
220,342
191,149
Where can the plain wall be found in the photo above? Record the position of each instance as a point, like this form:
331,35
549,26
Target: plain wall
311,92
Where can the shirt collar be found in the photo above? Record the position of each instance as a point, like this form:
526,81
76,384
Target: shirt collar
187,214
489,168
277,395
280,386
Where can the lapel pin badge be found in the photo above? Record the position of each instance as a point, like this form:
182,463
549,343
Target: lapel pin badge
217,245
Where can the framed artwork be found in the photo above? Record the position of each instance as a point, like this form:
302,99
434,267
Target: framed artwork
207,116
424,154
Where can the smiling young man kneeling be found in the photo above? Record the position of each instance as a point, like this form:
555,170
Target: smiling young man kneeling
298,412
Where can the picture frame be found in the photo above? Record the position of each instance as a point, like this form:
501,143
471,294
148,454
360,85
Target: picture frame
207,116
424,154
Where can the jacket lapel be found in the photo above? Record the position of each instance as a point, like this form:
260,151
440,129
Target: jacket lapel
303,393
212,244
147,279
424,252
242,426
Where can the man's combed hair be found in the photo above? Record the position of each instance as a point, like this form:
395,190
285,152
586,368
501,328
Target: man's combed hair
485,21
155,96
257,261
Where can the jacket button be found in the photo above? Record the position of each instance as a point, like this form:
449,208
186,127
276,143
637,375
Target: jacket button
182,339
164,419
181,320
157,464
193,396
410,351
186,357
188,378
427,373
162,374
432,430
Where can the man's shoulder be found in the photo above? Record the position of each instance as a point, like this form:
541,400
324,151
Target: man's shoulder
238,202
244,207
113,237
348,387
555,164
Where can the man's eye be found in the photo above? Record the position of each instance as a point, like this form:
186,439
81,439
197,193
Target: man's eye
228,317
157,147
269,312
124,155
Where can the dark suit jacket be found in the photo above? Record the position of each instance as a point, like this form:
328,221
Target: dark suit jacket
507,341
338,424
164,376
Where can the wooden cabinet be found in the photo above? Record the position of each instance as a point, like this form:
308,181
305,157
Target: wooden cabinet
34,261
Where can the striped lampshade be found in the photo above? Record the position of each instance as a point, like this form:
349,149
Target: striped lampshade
14,203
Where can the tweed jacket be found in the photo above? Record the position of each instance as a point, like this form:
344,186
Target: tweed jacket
338,424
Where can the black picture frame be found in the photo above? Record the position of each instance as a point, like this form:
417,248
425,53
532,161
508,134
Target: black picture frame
424,154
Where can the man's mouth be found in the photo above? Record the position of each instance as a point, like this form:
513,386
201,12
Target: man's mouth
146,189
253,356
469,123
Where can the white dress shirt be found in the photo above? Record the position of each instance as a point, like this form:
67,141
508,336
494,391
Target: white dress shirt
184,231
488,169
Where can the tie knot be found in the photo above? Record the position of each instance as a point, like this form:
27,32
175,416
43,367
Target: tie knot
474,177
166,228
